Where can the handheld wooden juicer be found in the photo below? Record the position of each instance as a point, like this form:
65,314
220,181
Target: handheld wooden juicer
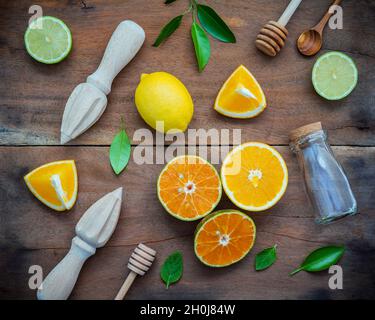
93,231
88,100
271,38
139,263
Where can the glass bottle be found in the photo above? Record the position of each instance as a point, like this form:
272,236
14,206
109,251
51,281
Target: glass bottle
326,183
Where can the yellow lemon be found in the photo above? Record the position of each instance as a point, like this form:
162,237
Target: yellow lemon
163,102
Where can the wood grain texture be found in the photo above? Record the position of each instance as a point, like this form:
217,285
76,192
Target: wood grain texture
33,95
31,233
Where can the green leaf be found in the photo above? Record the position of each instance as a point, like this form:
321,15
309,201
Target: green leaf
168,29
321,259
265,258
201,45
169,1
214,25
119,152
172,269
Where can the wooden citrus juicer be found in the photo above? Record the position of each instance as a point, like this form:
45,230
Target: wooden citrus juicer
310,41
93,231
139,263
271,38
88,100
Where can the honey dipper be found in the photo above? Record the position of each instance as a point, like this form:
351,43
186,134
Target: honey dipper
272,36
139,263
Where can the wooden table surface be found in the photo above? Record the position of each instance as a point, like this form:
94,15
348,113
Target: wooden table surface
32,100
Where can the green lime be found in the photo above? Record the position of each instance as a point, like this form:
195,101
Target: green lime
334,75
48,40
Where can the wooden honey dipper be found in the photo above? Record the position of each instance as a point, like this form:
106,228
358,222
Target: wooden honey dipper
271,38
139,263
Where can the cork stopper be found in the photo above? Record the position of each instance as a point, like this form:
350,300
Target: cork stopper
300,132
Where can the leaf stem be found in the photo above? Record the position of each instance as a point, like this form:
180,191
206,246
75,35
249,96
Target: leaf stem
295,271
188,9
122,123
193,4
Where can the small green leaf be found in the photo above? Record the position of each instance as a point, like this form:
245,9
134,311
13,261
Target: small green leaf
172,269
168,29
201,45
169,1
214,25
265,258
119,152
321,259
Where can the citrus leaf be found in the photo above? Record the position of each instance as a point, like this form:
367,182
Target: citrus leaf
321,259
214,25
168,29
172,268
265,258
119,152
201,45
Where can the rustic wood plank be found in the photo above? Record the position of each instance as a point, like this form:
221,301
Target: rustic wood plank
30,233
33,95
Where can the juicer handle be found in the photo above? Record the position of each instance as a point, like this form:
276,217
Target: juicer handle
61,280
124,44
289,11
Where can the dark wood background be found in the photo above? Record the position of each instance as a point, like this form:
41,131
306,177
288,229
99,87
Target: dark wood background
32,100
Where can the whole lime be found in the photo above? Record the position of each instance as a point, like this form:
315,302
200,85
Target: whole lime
163,102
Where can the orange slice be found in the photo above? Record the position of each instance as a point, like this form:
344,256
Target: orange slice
254,176
189,187
241,95
224,237
55,184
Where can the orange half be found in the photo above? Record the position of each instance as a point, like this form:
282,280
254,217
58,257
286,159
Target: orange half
254,176
241,96
224,237
55,184
189,187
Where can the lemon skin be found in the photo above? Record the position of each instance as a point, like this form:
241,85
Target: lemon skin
160,96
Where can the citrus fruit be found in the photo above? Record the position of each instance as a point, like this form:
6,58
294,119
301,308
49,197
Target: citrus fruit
55,184
189,187
334,75
224,237
254,176
241,95
161,97
48,40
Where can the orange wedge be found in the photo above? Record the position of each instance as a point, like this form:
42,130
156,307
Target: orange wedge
241,96
55,184
224,237
189,187
254,176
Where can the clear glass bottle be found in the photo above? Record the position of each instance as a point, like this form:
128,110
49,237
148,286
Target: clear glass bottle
326,183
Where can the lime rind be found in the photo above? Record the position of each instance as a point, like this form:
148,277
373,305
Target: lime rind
35,40
346,75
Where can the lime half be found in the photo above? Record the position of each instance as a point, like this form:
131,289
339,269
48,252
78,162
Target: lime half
48,40
334,75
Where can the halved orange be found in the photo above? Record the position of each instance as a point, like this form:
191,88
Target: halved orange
224,237
241,96
254,176
189,187
55,184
